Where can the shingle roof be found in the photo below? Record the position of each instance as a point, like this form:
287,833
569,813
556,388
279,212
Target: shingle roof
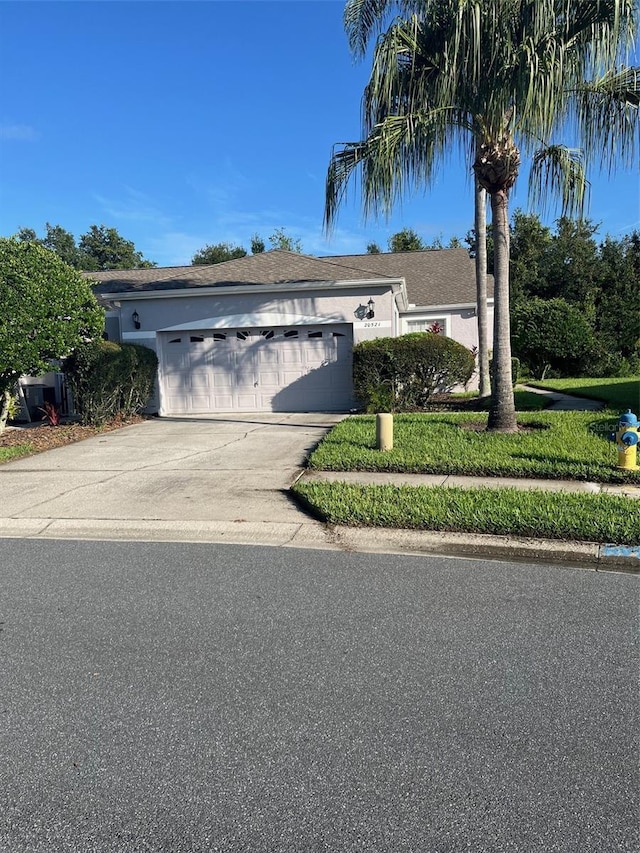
274,267
436,277
433,277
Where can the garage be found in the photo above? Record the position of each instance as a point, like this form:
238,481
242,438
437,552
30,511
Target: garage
271,368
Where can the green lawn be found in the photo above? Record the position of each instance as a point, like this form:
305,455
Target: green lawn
524,400
510,512
556,445
7,453
618,394
550,445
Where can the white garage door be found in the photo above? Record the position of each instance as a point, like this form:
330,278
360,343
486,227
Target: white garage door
279,369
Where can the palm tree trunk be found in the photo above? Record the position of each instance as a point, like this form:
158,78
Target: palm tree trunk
481,289
502,414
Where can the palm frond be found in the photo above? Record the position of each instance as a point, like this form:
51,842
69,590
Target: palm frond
363,18
558,172
401,153
608,117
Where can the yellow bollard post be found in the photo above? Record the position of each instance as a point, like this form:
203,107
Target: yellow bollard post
384,431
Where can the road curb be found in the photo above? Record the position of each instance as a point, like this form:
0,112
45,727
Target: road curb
589,555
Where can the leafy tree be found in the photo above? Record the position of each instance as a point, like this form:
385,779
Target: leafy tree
27,235
280,240
217,254
571,264
531,246
101,248
373,249
48,308
257,245
104,249
617,306
498,78
63,243
551,334
406,241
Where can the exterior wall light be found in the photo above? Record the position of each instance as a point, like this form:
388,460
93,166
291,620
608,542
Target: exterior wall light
371,309
136,319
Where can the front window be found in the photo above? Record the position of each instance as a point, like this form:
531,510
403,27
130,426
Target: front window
436,325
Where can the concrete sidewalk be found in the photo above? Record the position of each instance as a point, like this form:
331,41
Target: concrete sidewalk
565,402
450,480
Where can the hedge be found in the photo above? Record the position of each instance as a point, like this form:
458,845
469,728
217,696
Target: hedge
400,374
108,379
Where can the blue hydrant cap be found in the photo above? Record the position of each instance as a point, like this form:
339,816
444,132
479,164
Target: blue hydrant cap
628,419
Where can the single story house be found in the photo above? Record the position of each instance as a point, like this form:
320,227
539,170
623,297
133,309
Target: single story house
275,331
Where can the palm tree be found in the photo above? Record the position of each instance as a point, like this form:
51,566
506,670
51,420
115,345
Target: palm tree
491,78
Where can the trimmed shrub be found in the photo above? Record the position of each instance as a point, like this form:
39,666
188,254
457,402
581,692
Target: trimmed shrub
108,379
400,374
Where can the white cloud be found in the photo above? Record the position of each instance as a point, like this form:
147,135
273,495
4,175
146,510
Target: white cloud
18,132
133,205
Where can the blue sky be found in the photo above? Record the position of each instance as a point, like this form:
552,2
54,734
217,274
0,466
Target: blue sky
186,123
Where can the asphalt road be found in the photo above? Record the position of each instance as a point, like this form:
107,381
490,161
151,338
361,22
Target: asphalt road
175,697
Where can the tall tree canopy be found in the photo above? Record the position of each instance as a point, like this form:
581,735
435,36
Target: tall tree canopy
494,79
281,240
406,240
105,249
217,253
48,308
101,248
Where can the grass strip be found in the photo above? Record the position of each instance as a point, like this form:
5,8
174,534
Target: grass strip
504,512
7,453
552,445
619,394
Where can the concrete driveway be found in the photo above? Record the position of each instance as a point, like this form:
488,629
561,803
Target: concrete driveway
205,478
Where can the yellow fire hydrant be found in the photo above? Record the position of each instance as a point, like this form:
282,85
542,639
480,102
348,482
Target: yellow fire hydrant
627,437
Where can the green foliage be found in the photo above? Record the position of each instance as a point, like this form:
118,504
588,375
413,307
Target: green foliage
280,240
48,308
8,453
392,374
502,512
217,254
108,379
63,243
550,334
406,240
257,245
599,280
551,445
101,248
105,249
373,249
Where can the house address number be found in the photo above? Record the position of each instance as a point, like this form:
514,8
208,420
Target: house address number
373,324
